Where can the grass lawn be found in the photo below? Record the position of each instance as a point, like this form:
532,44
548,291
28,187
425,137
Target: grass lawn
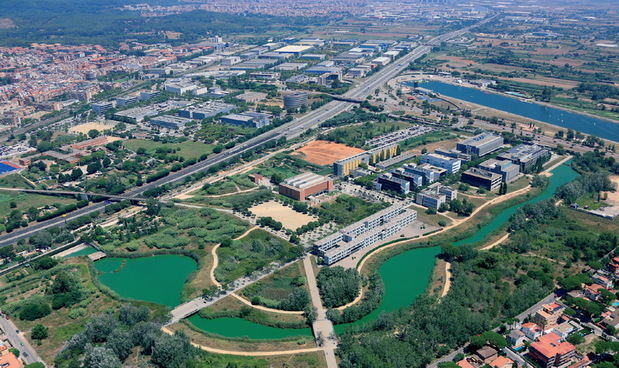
242,200
230,184
277,286
590,202
254,252
187,149
24,201
14,181
286,166
347,209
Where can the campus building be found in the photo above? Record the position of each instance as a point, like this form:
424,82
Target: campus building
170,121
482,178
526,156
452,165
508,170
206,110
345,166
398,136
364,233
304,185
247,119
435,195
295,100
428,172
480,145
392,183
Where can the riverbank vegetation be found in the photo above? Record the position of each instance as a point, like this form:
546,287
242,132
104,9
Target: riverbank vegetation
338,286
489,287
286,289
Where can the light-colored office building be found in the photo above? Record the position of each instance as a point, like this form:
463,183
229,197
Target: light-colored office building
480,145
452,165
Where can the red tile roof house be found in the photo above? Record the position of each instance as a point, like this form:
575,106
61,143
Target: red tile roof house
549,351
502,362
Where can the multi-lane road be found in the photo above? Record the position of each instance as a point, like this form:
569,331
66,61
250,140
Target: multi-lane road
289,130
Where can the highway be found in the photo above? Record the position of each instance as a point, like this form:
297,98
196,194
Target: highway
289,130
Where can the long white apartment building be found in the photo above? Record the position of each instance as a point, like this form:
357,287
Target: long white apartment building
364,233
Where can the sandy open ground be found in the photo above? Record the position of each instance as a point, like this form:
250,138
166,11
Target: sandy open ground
86,127
325,153
613,197
289,218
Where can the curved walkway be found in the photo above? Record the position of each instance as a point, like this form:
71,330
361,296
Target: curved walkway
447,284
248,353
230,194
240,298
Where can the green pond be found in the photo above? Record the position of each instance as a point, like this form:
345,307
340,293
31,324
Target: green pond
238,327
157,279
405,277
82,252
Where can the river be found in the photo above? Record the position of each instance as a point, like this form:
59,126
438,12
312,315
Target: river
405,276
566,119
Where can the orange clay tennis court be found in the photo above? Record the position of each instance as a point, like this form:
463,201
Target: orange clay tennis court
325,153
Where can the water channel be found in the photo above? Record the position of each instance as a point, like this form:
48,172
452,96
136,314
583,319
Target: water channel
566,119
160,279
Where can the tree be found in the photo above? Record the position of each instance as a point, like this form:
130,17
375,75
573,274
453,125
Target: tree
93,167
338,286
93,133
39,332
44,263
130,315
575,339
153,207
100,357
172,351
121,343
42,240
34,310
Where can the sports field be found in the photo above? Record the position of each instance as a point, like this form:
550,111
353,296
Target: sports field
325,153
87,127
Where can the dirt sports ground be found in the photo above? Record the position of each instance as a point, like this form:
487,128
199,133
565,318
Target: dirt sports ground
289,218
85,128
325,153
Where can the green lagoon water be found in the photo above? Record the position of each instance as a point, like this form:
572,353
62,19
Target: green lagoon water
238,327
157,279
82,252
160,279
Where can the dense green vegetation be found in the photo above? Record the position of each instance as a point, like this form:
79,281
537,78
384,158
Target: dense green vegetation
254,252
356,135
338,286
170,228
64,21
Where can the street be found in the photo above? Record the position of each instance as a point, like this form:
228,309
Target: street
19,341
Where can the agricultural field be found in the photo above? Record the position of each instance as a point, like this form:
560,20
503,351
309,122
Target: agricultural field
251,253
187,149
14,181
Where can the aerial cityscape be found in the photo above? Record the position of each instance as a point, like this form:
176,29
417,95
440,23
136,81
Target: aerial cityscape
309,184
